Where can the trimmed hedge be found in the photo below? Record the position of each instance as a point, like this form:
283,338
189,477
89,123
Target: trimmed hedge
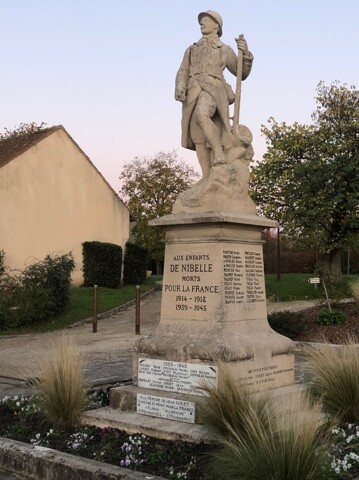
102,264
135,264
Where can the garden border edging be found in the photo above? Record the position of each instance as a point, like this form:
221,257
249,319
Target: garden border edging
40,462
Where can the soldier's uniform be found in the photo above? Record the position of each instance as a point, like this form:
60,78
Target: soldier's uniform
208,95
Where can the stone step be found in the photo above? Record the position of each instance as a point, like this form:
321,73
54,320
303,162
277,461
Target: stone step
133,423
125,398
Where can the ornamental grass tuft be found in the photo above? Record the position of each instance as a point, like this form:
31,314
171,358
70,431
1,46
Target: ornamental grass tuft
354,288
228,408
335,378
62,396
259,440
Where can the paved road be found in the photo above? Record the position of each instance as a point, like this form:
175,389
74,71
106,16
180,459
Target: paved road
106,354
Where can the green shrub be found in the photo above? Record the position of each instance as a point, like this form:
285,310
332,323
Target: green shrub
53,274
335,379
102,264
25,303
42,290
135,264
327,317
289,324
10,300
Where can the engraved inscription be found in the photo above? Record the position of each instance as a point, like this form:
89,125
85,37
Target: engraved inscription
243,277
254,277
233,275
263,375
174,376
170,408
196,284
192,280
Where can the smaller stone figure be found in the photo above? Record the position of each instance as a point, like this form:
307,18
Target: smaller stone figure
206,96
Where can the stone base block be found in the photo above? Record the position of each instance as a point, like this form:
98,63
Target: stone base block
258,362
132,423
261,373
125,399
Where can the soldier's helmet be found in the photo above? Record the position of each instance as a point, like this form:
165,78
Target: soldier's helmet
215,16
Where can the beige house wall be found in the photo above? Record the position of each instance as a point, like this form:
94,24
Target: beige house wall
52,199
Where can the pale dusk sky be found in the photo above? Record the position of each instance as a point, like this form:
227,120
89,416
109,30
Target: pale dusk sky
105,70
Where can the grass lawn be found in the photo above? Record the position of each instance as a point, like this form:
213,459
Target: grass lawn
296,286
292,286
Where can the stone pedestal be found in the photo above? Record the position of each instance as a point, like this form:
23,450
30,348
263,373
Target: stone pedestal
214,302
213,308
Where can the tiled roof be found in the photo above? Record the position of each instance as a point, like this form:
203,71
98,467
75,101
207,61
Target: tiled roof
12,147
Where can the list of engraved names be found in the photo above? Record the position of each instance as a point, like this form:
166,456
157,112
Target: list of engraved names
243,277
174,376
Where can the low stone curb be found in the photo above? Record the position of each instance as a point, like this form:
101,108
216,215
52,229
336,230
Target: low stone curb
48,464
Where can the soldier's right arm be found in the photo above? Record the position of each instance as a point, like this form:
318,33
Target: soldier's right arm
232,60
182,77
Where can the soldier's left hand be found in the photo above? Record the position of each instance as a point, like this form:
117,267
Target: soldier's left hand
242,44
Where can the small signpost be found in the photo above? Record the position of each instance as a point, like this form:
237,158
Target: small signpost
315,281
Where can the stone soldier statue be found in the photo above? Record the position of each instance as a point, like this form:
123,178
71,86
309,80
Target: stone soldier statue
206,96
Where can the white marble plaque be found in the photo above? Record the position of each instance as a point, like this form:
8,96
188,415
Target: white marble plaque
170,408
174,376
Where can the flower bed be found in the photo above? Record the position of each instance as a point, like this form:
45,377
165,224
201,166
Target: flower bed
21,420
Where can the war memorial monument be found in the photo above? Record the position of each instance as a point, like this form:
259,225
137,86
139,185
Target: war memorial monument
213,298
